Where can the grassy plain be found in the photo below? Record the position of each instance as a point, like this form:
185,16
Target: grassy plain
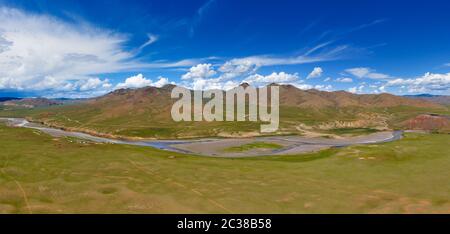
42,174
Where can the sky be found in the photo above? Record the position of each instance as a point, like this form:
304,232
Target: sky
80,48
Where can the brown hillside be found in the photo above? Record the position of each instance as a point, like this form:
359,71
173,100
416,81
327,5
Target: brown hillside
291,96
159,99
120,102
428,122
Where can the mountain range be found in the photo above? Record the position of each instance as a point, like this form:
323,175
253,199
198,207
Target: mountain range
441,99
145,113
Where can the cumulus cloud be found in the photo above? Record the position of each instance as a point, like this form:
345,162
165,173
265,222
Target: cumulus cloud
94,83
238,67
323,87
316,72
364,72
161,82
203,77
139,81
303,86
209,84
280,78
61,88
200,71
427,83
136,81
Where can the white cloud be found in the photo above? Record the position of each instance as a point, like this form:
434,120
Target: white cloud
327,79
357,89
34,47
94,83
377,88
208,84
200,71
237,67
204,83
51,83
303,86
62,88
344,80
364,72
139,81
161,82
151,39
280,78
324,87
136,81
316,72
359,72
427,83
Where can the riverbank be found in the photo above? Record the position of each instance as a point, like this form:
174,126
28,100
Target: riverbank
216,147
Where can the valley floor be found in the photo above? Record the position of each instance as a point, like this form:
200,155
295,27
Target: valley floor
43,174
226,147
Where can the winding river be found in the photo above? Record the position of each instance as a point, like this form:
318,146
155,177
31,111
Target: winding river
215,147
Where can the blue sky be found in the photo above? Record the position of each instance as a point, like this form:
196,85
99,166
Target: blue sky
69,48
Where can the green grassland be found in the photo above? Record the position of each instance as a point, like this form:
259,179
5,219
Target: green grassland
254,145
17,112
144,123
42,174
